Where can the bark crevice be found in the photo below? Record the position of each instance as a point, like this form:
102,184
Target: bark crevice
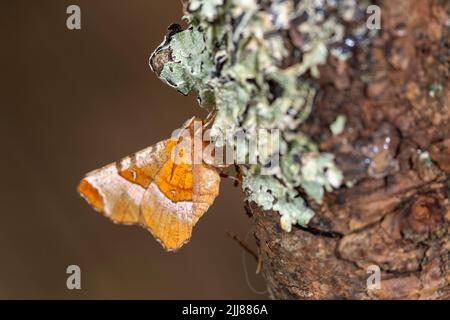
395,152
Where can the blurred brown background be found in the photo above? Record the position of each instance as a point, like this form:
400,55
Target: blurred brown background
73,101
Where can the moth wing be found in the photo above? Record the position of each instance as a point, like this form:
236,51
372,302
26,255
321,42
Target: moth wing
205,189
168,221
176,200
117,189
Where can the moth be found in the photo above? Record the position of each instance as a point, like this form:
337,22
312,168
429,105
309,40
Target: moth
159,188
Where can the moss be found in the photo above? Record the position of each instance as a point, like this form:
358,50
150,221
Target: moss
255,63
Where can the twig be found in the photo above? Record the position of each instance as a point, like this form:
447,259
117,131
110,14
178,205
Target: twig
243,245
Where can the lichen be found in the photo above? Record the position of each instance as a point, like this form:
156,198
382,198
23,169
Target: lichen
435,89
337,127
255,63
425,157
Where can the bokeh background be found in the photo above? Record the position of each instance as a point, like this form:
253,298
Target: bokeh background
73,101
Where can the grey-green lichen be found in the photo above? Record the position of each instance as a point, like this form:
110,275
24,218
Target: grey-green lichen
435,89
190,63
425,157
235,55
337,127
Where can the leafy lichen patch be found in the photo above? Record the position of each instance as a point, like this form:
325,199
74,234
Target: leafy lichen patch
255,63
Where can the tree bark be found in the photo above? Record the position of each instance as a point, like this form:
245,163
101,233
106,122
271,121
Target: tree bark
395,149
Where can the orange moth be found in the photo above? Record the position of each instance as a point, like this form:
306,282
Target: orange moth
160,188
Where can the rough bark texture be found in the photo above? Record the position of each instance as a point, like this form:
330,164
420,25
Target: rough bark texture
395,94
